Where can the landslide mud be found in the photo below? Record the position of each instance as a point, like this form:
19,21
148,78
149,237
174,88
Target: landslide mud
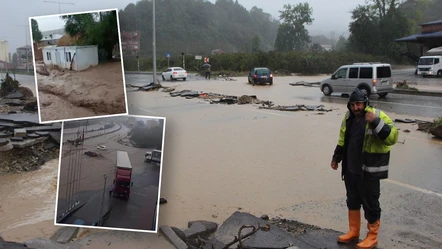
67,94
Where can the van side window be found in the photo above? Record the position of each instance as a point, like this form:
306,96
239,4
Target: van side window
366,73
383,72
353,74
436,61
341,73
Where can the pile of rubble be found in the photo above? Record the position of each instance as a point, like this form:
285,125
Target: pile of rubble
434,128
25,144
215,98
243,230
304,83
22,100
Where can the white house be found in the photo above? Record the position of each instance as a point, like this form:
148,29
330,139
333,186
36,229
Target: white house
81,57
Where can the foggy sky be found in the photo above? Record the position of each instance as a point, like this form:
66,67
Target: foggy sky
328,15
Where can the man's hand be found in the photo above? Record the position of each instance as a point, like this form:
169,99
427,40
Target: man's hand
334,165
370,116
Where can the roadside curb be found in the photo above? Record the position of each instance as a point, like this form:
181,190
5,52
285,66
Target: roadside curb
419,93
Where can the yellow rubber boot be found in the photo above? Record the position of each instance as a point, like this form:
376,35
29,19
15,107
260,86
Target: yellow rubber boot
371,240
354,220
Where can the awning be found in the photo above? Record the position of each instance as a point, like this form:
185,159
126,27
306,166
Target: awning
418,38
435,50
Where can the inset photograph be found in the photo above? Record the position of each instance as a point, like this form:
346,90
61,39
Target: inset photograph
78,67
110,173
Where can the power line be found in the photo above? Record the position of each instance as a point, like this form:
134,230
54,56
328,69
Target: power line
59,4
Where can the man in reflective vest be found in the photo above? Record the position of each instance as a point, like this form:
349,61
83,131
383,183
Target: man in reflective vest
366,135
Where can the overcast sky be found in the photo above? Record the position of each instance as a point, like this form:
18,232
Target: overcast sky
328,15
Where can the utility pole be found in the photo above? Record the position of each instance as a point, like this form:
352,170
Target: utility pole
27,56
100,221
154,46
184,66
138,61
59,4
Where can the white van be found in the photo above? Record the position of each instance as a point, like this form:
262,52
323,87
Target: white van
153,156
430,65
371,77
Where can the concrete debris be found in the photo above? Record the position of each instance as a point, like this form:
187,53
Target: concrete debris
163,201
319,108
434,128
243,230
303,83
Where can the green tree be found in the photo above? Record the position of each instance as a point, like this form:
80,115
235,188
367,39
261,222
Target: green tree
316,47
94,29
341,44
292,34
36,33
255,44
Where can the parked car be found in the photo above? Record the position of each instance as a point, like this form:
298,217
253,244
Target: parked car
371,77
174,73
260,75
101,147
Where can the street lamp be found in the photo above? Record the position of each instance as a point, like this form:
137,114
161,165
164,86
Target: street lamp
153,43
59,3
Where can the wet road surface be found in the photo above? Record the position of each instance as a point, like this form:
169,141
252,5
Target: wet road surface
138,211
277,163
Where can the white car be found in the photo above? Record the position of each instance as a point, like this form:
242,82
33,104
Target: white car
101,147
174,73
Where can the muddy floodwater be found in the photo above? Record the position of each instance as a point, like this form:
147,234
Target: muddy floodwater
28,203
96,91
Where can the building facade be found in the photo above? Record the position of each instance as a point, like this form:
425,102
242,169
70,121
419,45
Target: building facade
77,58
4,51
130,42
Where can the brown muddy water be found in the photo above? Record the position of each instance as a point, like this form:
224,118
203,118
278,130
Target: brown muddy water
28,211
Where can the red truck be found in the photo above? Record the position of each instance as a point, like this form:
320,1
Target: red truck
123,176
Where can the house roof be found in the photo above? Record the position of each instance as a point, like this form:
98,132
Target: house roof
54,37
431,23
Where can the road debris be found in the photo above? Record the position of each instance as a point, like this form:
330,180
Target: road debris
244,230
434,128
304,83
294,108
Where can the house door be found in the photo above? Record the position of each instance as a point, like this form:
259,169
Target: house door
57,58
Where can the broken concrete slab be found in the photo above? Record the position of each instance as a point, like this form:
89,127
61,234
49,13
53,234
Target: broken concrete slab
173,237
44,243
275,237
20,133
6,147
44,128
3,141
10,124
3,135
16,139
14,95
67,235
27,143
319,108
15,102
195,231
209,225
42,133
21,118
33,135
324,238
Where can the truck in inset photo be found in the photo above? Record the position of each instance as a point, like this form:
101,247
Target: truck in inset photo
153,156
123,176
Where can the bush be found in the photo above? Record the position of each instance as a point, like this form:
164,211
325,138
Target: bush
304,63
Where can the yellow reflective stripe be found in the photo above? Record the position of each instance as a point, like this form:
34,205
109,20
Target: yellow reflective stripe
375,169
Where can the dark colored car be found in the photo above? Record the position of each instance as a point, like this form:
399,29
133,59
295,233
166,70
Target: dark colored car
259,75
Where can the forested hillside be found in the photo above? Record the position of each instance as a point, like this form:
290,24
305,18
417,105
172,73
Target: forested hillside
199,26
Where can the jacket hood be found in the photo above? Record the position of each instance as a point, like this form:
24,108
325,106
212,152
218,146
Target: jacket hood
357,96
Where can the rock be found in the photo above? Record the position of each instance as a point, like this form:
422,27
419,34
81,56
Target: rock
265,217
173,237
3,135
179,233
31,106
437,131
200,229
210,226
163,201
406,130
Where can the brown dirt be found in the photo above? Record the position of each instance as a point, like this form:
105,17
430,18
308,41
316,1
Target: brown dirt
67,94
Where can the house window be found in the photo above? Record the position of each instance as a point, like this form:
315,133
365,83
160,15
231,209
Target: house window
48,56
68,57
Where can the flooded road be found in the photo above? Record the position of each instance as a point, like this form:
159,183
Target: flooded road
29,210
223,158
